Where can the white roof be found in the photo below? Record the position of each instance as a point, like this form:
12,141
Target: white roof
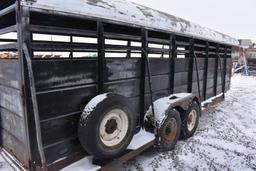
129,12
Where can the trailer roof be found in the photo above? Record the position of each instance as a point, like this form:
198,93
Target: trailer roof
131,13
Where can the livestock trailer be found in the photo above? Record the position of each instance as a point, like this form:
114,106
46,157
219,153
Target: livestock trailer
60,59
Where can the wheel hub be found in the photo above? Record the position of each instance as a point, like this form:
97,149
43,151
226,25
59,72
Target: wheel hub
170,131
191,120
111,126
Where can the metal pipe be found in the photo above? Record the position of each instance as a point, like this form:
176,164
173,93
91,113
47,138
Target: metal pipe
222,74
197,75
35,106
150,85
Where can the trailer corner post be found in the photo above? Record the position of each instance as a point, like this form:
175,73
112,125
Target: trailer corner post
19,26
28,84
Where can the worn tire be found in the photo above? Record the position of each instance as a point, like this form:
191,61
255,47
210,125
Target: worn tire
99,131
169,131
190,119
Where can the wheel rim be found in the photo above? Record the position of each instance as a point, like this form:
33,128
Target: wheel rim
170,131
191,120
113,127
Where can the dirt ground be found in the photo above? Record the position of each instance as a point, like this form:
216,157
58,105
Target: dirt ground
225,138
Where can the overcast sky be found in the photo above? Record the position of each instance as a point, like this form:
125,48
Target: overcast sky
236,18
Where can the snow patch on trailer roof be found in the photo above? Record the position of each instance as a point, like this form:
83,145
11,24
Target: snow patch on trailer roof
129,12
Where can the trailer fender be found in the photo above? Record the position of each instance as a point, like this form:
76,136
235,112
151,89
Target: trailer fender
183,101
180,102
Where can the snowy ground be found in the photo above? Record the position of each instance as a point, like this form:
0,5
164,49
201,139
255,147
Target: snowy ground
4,165
225,139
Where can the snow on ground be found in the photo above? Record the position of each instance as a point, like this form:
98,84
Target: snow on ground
225,138
4,165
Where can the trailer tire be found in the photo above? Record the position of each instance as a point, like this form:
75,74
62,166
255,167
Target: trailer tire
106,131
190,119
169,131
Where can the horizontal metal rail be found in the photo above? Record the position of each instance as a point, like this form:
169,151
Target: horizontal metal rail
121,51
61,46
120,47
158,51
160,41
199,45
119,36
8,29
200,52
8,40
62,31
9,47
7,10
182,51
180,43
212,47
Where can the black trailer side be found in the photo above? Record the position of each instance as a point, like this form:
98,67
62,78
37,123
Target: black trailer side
82,62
